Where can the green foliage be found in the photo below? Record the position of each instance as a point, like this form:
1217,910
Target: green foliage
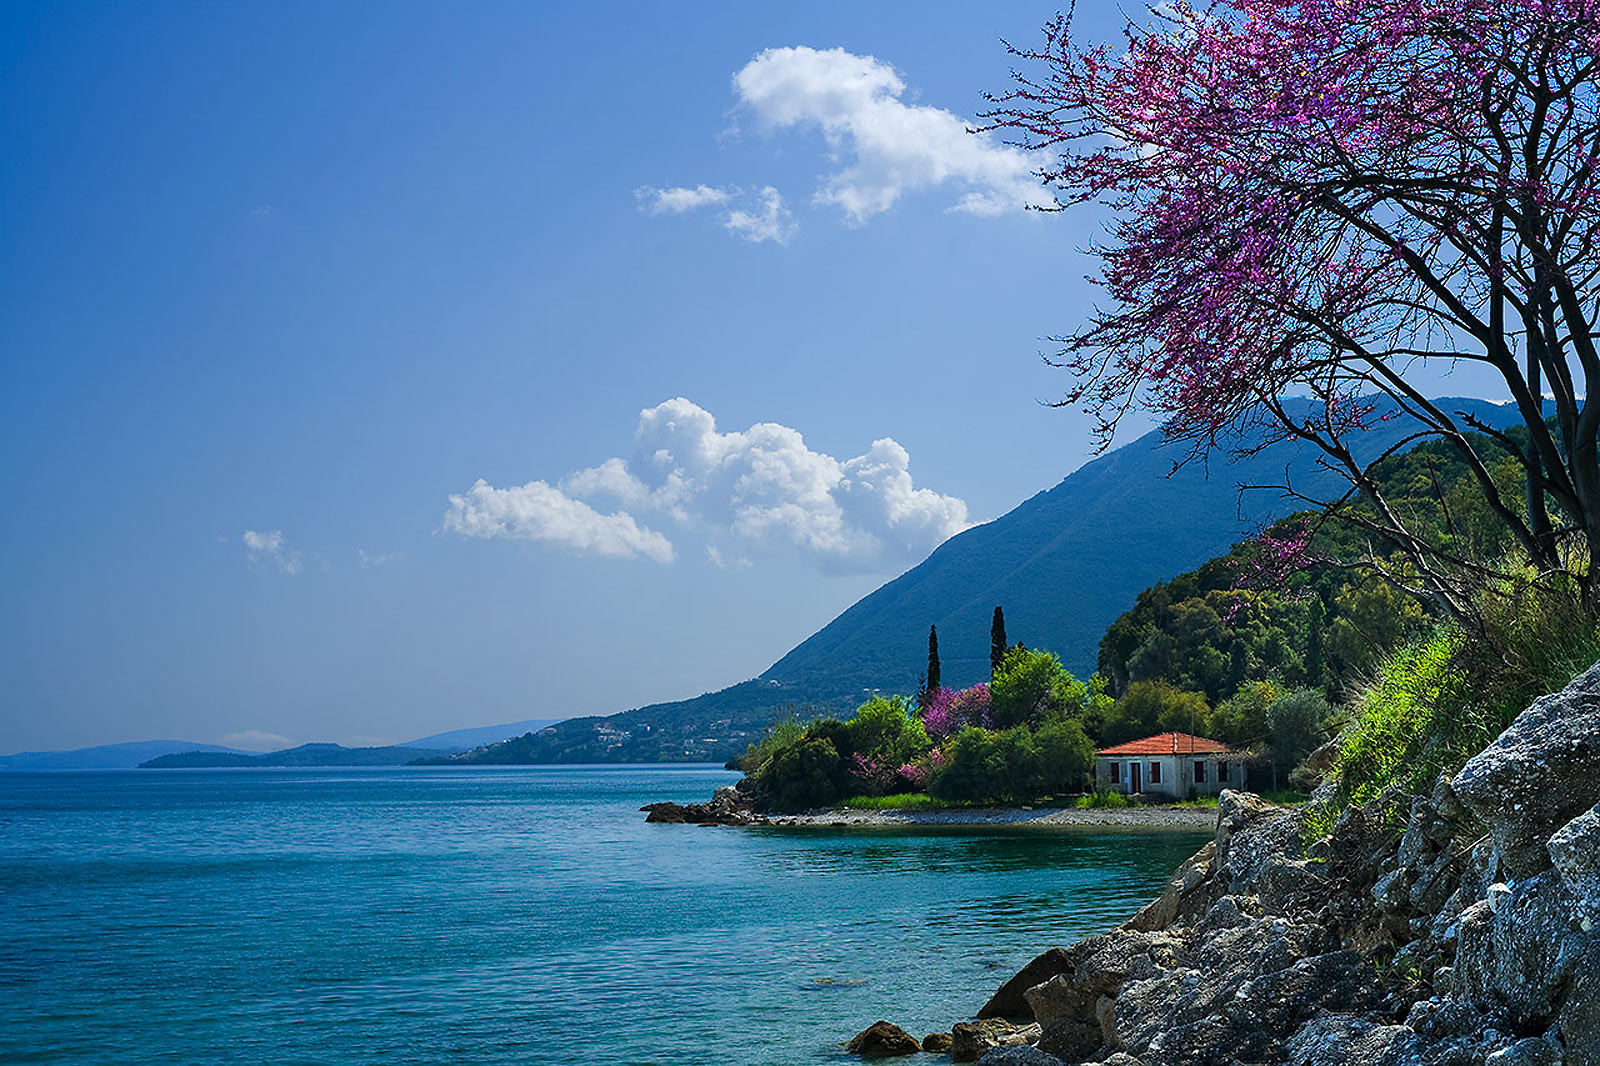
1101,799
802,776
887,729
997,642
1156,707
1441,700
1241,719
1016,764
784,733
1065,754
1401,721
1297,725
1032,686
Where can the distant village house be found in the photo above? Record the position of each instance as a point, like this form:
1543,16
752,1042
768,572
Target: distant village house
1175,765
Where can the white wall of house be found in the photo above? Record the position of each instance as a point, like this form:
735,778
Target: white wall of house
1179,777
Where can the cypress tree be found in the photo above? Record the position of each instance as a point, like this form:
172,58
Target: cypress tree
997,642
933,660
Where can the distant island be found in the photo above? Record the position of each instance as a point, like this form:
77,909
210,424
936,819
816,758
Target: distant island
304,755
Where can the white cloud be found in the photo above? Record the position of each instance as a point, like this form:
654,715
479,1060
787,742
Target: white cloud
758,215
771,222
539,511
372,560
270,549
758,492
257,740
676,201
896,147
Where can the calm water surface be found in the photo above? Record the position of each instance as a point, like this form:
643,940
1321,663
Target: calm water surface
520,916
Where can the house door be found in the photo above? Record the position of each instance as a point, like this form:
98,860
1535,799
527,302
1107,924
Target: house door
1135,778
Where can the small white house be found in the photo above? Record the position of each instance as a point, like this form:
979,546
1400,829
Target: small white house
1169,764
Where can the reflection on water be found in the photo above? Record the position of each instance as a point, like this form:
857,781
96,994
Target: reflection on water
504,916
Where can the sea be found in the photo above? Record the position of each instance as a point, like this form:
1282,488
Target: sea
523,915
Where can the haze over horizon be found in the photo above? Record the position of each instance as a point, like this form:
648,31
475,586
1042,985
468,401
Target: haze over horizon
596,359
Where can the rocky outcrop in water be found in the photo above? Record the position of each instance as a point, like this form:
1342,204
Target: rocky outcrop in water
1456,929
728,806
883,1040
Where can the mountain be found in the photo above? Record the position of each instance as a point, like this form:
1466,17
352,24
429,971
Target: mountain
106,756
477,736
304,755
1064,564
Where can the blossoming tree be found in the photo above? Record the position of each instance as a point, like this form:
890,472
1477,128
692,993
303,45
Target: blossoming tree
1314,198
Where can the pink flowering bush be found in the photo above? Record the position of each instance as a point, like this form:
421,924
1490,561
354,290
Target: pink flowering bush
1313,197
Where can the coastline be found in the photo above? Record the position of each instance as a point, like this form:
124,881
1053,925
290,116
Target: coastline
1185,819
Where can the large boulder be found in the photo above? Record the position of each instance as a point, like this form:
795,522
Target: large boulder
1575,850
882,1040
969,1040
1008,1001
1579,1023
1516,952
1343,1040
1538,775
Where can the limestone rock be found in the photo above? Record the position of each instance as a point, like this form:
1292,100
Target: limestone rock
1516,958
936,1042
1575,850
1017,1056
1579,1023
1538,775
1342,1040
882,1040
969,1040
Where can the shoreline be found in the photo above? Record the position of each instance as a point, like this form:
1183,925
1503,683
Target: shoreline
1186,819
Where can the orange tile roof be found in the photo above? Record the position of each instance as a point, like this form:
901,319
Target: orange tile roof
1169,744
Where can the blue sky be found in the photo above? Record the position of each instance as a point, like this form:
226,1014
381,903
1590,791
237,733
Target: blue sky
279,282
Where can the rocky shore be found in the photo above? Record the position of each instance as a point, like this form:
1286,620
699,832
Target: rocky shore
728,806
1451,930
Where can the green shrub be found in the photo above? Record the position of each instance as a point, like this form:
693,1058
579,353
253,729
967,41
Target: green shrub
1101,799
886,729
803,776
904,801
1030,686
784,733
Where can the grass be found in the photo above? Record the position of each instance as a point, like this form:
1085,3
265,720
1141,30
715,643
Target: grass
903,801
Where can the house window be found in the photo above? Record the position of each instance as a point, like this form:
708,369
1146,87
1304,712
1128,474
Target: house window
1155,773
1116,773
1222,771
1199,771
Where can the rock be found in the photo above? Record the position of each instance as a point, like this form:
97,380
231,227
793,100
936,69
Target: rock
1579,1023
881,1040
1341,1040
936,1042
1008,1001
1575,850
728,806
1534,1051
969,1040
1516,958
1538,775
1017,1056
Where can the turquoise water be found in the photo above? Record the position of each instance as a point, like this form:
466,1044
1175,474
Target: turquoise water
521,915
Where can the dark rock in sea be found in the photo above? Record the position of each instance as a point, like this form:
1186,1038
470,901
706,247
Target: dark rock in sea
936,1042
1468,938
728,806
882,1040
1008,1002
